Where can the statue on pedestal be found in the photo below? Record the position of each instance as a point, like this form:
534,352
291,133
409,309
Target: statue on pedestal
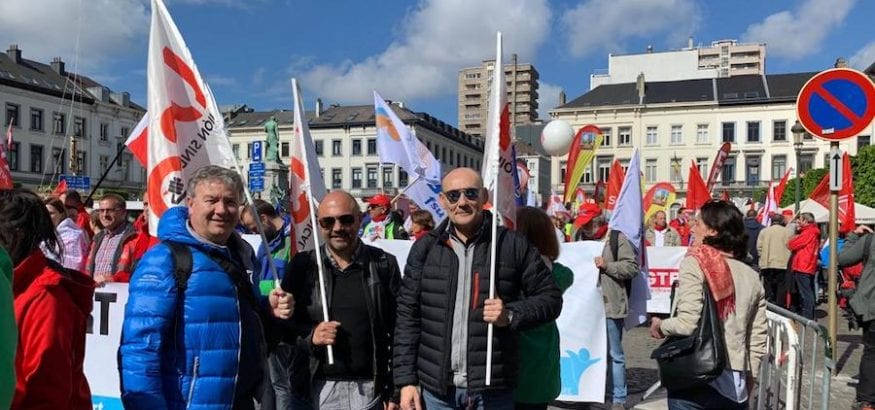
273,140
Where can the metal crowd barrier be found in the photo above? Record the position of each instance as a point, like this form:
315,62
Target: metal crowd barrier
797,354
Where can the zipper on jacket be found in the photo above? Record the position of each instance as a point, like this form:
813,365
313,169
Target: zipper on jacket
195,370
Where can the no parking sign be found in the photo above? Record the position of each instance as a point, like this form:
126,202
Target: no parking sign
836,104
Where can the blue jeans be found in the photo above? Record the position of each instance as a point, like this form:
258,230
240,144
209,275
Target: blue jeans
700,398
458,398
618,360
805,285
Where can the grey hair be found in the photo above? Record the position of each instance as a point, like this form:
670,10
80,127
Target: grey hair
807,216
226,176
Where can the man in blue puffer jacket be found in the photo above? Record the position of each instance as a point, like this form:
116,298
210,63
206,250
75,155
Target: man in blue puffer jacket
203,349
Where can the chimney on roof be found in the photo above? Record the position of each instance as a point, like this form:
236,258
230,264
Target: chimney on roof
318,107
561,97
58,66
14,53
639,85
649,48
841,63
126,99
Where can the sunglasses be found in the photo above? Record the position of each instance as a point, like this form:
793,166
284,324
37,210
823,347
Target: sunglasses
471,194
328,221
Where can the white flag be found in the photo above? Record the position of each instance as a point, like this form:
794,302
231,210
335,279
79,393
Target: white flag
396,145
305,178
186,129
498,163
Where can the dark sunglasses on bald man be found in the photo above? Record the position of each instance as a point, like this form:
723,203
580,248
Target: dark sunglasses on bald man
471,194
328,221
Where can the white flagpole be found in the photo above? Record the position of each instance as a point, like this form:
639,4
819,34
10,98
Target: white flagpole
313,206
496,92
401,192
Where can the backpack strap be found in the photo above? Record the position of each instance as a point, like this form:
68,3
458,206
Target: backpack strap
182,266
614,242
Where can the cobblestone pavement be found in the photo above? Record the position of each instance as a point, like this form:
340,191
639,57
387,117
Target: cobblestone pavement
641,371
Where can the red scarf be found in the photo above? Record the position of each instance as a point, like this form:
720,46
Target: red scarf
659,228
718,276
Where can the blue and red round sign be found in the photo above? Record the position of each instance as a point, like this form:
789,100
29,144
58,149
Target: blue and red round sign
836,104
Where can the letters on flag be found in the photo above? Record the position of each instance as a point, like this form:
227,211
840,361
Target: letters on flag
186,130
305,178
583,148
615,183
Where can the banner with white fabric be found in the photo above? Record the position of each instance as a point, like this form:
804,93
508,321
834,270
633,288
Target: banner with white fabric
101,346
662,267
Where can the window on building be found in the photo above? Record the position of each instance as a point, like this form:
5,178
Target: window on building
12,156
806,162
437,152
606,137
444,155
452,158
728,174
652,136
428,145
81,163
702,133
248,150
336,178
356,177
103,162
356,147
402,178
103,136
624,136
36,158
36,119
59,123
459,159
752,171
479,165
779,166
677,134
863,141
587,174
779,130
702,164
126,132
58,161
563,167
604,169
336,150
284,149
372,146
753,131
650,170
388,175
372,177
319,147
12,111
79,128
729,132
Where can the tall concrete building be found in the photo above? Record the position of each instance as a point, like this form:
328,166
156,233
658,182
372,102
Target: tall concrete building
522,94
724,58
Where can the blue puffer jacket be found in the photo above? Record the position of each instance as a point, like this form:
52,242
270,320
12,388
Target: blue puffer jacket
169,360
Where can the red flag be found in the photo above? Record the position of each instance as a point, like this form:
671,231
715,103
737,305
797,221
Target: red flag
722,154
725,195
5,174
615,183
697,191
779,190
847,213
9,136
61,188
137,141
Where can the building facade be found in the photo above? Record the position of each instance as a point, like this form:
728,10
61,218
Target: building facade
345,138
66,124
675,124
522,94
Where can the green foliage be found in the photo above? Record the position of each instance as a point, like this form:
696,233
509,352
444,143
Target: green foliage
808,183
863,166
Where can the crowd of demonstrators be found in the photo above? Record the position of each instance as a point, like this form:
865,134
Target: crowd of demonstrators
421,223
77,212
444,306
681,224
383,224
804,247
74,243
51,304
589,224
774,257
8,332
193,335
716,259
752,228
361,286
144,240
559,224
659,233
110,258
859,249
539,380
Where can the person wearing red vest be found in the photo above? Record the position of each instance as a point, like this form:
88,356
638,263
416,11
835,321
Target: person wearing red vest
803,262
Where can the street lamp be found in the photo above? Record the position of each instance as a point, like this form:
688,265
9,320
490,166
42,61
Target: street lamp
676,165
798,132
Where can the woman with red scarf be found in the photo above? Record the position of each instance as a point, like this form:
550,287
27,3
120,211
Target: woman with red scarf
715,256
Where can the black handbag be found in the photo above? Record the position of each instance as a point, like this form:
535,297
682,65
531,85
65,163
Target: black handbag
692,361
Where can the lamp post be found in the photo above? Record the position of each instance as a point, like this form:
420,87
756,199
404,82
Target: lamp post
676,164
798,131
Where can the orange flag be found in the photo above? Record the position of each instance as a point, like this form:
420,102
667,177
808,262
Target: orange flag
615,183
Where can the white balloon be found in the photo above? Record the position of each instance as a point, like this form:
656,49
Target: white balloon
556,137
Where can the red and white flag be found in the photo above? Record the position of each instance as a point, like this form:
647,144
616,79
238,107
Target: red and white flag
185,127
5,173
136,141
9,136
770,206
305,179
498,162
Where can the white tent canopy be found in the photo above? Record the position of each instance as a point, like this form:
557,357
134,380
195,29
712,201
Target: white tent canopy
864,214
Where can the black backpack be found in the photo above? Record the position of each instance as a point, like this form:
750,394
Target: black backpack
183,265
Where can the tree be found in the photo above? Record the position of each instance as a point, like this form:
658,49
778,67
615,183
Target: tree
808,183
864,175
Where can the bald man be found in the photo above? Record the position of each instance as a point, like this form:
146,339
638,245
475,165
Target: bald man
361,285
444,305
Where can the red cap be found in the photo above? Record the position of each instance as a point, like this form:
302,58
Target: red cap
586,213
787,212
380,200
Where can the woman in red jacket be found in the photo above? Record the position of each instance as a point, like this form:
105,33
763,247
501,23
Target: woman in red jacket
803,264
51,306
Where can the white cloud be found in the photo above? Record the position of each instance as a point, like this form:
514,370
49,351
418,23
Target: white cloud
220,80
799,33
548,98
49,28
606,25
864,57
435,40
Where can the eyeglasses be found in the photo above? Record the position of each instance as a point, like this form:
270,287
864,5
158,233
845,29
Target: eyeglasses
108,210
328,221
471,194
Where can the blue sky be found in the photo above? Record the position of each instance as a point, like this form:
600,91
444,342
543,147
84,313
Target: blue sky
412,50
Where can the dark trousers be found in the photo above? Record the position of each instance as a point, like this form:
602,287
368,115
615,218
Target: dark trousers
805,285
700,398
866,386
772,279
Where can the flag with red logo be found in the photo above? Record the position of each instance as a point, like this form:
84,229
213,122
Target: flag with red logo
185,129
5,173
306,181
137,140
499,167
697,191
616,177
847,213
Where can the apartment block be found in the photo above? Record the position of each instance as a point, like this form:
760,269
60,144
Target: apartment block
522,94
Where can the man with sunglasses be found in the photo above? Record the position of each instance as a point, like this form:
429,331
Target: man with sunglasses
444,305
111,256
361,285
384,223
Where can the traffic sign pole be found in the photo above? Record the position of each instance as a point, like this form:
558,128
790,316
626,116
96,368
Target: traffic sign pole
832,309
